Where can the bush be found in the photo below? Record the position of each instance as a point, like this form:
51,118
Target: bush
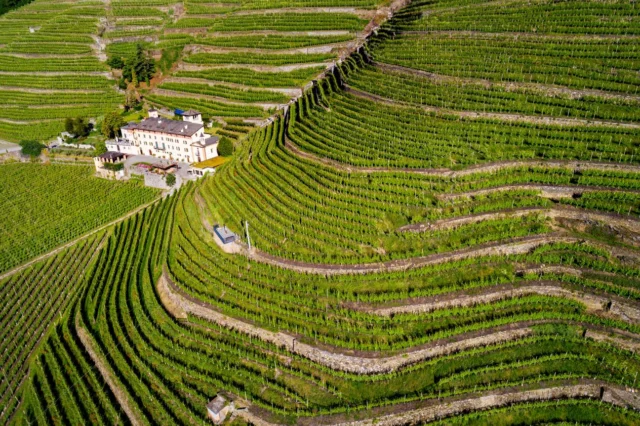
32,148
225,147
114,167
77,126
111,124
116,62
170,179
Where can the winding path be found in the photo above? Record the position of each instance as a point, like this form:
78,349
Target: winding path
609,306
521,118
181,304
120,396
576,166
564,212
501,248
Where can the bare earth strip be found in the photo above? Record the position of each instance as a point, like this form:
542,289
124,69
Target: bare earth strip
435,409
545,191
73,242
107,376
576,166
515,246
542,88
595,304
521,118
336,361
189,95
180,304
597,391
565,212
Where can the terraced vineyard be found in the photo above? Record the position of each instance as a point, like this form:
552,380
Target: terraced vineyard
443,229
50,68
242,60
52,56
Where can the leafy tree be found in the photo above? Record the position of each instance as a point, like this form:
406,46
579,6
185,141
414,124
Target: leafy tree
77,126
68,125
225,147
116,62
7,5
170,179
131,100
140,67
111,124
100,148
32,148
81,128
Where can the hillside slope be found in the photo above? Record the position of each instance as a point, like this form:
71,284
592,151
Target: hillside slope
445,229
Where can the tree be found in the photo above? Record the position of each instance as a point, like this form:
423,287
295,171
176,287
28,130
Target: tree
116,62
170,179
32,148
68,125
100,148
140,67
111,124
225,147
80,127
131,100
77,126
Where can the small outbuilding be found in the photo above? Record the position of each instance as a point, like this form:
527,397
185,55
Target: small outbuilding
225,235
218,408
110,165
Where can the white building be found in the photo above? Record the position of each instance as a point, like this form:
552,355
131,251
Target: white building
160,137
218,409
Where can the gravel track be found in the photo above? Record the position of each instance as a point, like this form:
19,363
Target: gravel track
521,118
576,166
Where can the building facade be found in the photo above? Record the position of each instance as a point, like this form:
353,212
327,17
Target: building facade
160,137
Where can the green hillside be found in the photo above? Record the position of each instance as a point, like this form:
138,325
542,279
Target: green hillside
443,228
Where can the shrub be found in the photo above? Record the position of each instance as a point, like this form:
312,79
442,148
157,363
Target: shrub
111,124
225,147
170,179
31,148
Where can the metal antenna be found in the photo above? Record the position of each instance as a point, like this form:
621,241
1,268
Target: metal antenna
246,227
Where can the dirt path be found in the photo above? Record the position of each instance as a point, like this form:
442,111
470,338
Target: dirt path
607,306
120,396
293,92
333,360
546,191
519,118
188,95
73,242
576,166
565,212
253,67
339,359
321,48
584,389
548,90
425,411
361,13
503,248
